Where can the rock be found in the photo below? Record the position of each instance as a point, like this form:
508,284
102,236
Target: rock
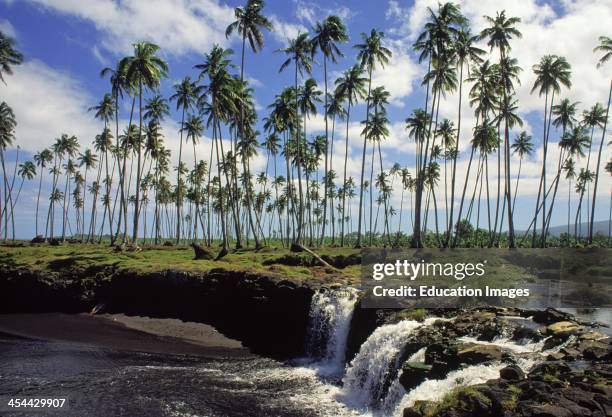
592,336
526,333
476,354
550,315
413,374
512,373
546,410
38,239
202,253
411,412
563,328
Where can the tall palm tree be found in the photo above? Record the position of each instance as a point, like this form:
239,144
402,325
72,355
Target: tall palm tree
186,96
552,73
27,171
70,146
144,70
604,46
7,136
42,159
119,86
327,35
523,147
372,53
467,54
9,56
593,118
569,167
249,24
88,160
299,52
351,87
194,129
499,33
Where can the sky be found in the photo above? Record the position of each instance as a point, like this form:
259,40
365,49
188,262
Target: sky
67,42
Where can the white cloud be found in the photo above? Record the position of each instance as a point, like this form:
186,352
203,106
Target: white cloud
283,31
47,103
7,28
398,77
178,26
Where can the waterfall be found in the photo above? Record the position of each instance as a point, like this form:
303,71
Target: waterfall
376,364
436,389
396,390
330,320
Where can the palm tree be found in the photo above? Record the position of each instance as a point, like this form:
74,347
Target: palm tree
371,53
299,51
7,136
523,147
466,54
552,72
351,87
327,34
186,96
144,70
605,46
88,160
69,146
194,129
9,56
249,23
500,32
27,171
570,173
42,159
119,85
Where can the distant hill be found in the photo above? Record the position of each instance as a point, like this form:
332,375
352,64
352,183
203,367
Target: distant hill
598,227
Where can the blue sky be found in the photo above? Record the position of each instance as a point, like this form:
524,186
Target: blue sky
67,42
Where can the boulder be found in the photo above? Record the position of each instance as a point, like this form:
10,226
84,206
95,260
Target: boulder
563,329
550,315
476,354
413,374
512,373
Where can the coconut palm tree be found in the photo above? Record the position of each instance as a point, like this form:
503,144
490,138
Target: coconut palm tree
7,136
372,53
327,35
552,73
42,159
569,167
299,52
523,147
351,87
144,70
9,56
186,96
467,54
88,160
249,24
26,171
604,46
194,129
70,146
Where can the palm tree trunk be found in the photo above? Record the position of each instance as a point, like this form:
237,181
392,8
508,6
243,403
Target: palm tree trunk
365,144
603,136
42,168
348,117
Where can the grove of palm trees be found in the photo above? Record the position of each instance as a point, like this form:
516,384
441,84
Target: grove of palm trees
125,188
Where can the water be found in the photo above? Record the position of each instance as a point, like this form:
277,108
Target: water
330,321
436,389
105,382
376,365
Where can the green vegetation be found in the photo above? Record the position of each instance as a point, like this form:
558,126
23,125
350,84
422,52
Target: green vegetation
91,259
459,399
418,314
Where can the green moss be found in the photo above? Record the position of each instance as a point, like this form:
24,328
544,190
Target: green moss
459,399
419,314
91,259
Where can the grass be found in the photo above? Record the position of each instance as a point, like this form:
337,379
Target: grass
459,399
91,259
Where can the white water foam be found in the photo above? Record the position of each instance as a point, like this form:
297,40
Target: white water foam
436,389
378,357
396,390
331,312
